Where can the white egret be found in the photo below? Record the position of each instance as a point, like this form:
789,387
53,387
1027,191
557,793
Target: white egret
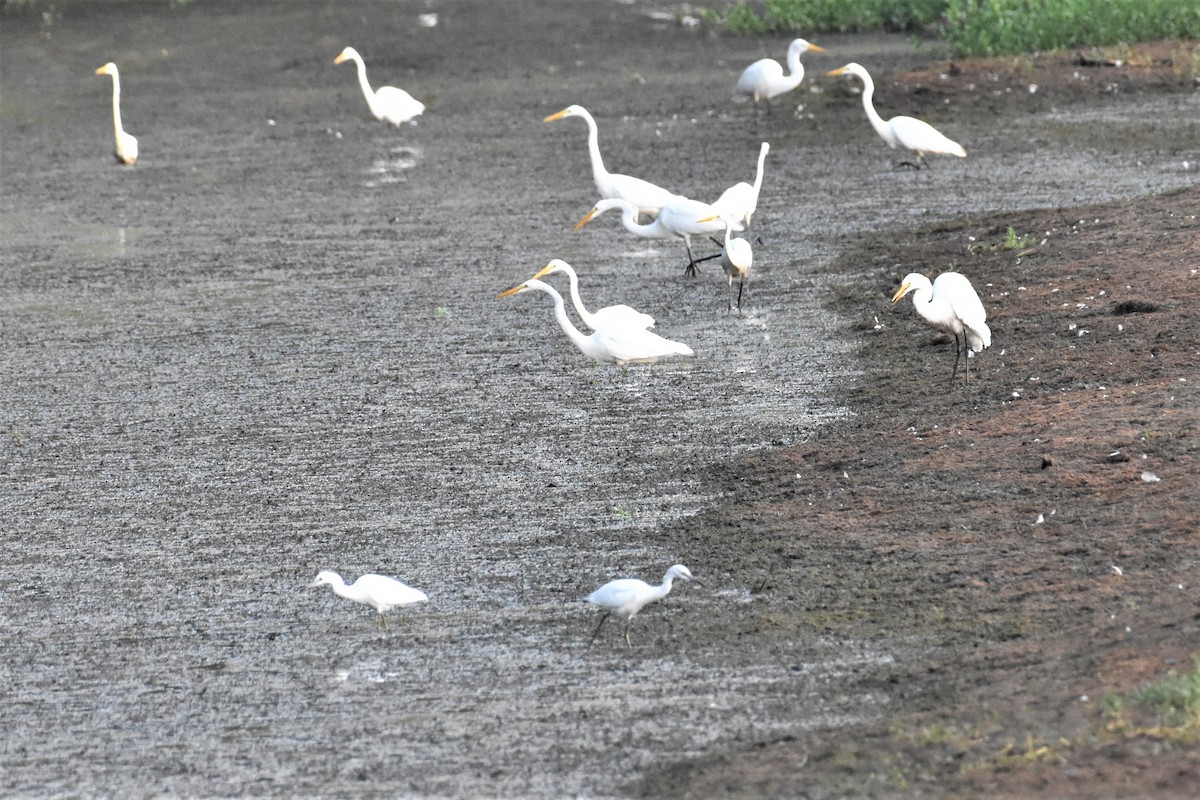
647,197
678,219
950,303
764,79
618,342
907,132
625,597
388,103
621,314
736,258
741,199
127,148
377,591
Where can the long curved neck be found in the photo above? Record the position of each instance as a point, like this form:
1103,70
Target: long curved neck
923,301
651,230
664,588
560,313
577,301
599,173
795,68
117,104
342,589
762,157
869,106
367,91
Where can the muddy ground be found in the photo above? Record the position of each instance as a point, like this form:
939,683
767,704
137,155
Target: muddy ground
274,347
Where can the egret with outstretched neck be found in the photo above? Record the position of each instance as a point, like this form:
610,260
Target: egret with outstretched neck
377,591
741,200
615,343
678,219
625,597
387,104
907,132
127,146
609,315
950,303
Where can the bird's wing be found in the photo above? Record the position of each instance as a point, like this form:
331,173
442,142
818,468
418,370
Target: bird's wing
616,593
628,344
756,76
922,137
645,195
966,305
622,315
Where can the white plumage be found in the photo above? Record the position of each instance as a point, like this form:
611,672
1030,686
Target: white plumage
764,79
625,597
388,103
127,146
377,591
950,303
602,317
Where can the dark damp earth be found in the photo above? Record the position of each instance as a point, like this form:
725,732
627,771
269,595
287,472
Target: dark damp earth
274,346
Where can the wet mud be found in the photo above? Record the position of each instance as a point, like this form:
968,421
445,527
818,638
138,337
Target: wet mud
274,346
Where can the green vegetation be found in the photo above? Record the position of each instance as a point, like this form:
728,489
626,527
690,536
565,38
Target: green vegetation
1014,242
981,27
1168,709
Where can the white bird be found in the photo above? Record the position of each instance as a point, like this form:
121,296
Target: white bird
907,132
377,591
678,219
764,79
388,103
736,258
646,196
617,342
127,149
741,200
625,597
620,314
950,303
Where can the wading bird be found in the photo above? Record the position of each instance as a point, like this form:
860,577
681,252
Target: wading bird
377,591
676,220
950,303
907,132
619,343
647,197
388,104
764,79
741,200
127,151
619,314
625,597
736,258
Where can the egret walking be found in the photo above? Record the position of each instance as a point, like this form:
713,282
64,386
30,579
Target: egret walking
377,591
627,596
609,315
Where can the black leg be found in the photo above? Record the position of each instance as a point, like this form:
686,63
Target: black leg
691,267
596,632
954,374
741,286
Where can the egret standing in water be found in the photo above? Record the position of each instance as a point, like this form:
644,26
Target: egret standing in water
678,219
907,132
609,315
764,79
736,258
645,196
377,591
627,596
618,342
127,148
388,104
741,200
950,303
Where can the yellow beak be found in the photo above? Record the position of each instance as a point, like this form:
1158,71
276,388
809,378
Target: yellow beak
838,71
816,48
545,270
511,291
554,117
903,290
586,219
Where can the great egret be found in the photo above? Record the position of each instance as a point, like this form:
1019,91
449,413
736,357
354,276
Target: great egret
127,150
736,259
741,200
764,79
620,314
617,342
377,591
388,103
676,220
625,597
950,303
907,132
646,196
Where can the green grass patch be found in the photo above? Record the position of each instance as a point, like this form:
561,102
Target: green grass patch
1168,709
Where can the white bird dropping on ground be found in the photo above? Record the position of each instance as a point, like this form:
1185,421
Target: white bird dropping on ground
950,303
377,591
764,79
618,342
127,148
907,132
388,104
609,315
736,258
679,219
647,197
741,200
625,597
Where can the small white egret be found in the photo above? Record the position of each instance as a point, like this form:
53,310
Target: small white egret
127,148
619,314
625,597
388,103
907,132
736,258
618,342
676,220
647,197
950,303
764,79
741,200
377,591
